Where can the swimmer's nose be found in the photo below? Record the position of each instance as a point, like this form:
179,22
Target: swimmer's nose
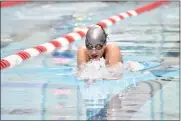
94,51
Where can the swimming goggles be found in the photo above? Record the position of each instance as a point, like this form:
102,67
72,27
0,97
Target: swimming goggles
97,47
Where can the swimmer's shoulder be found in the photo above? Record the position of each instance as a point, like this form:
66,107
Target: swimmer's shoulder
82,56
112,47
112,52
82,49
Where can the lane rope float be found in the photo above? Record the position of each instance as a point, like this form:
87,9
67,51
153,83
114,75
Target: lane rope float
15,59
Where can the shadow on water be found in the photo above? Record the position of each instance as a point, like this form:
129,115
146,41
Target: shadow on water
124,105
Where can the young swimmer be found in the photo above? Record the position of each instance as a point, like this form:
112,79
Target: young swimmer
96,47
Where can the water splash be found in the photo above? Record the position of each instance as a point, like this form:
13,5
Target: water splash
98,70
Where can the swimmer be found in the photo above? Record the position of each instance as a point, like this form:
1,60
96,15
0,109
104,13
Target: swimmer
96,47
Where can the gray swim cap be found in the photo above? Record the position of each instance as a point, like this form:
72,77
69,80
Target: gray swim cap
96,35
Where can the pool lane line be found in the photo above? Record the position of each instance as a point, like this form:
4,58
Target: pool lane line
12,3
18,58
34,85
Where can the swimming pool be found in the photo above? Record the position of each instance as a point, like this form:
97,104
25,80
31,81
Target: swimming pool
43,88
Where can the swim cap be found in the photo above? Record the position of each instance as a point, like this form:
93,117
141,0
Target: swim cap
96,35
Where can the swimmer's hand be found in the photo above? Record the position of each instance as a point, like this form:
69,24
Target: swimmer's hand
115,71
132,66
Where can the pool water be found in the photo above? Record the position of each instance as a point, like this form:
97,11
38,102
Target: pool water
46,88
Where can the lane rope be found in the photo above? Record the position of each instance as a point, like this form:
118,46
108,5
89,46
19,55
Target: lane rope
11,3
15,59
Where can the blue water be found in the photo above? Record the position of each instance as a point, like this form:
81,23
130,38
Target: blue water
43,88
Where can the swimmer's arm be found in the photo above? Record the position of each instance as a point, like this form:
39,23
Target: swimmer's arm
81,56
113,56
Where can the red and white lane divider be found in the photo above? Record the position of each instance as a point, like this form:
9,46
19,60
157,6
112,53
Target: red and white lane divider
15,59
11,3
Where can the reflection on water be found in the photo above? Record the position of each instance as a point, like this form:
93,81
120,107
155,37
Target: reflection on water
128,105
50,101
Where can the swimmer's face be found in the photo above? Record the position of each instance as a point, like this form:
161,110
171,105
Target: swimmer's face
95,52
95,42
